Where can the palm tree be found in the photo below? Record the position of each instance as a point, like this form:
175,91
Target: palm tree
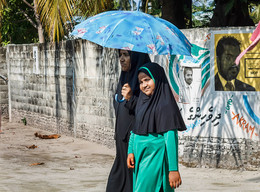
2,5
255,12
56,15
53,18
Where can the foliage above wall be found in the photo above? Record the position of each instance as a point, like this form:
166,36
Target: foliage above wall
30,21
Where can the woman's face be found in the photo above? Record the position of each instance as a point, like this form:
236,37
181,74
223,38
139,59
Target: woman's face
125,60
147,85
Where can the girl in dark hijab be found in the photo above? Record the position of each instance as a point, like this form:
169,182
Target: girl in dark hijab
153,144
120,177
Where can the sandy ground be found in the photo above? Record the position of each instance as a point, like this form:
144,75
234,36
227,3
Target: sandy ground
73,165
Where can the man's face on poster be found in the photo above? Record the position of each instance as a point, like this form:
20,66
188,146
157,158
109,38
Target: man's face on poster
226,62
188,76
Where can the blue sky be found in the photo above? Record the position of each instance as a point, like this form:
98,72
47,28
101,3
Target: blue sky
206,2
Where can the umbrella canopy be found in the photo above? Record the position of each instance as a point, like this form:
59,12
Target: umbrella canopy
135,31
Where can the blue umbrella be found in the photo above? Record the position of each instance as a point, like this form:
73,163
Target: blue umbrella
135,31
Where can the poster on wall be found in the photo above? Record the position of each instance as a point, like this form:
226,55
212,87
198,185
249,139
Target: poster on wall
210,106
227,75
236,87
36,60
189,75
190,84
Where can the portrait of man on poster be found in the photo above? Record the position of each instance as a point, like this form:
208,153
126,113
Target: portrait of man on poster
187,88
188,77
227,50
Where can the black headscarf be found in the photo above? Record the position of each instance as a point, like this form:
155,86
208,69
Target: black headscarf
159,112
137,60
124,117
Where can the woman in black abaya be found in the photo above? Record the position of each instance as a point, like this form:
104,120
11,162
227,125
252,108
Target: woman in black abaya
120,177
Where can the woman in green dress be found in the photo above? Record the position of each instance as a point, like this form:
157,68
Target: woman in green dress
153,144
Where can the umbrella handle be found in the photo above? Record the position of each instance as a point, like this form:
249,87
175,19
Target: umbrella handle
117,100
116,95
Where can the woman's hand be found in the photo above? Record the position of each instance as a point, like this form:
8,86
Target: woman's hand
174,179
131,161
126,91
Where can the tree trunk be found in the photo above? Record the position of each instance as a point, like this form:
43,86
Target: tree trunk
237,16
40,33
177,12
39,24
188,13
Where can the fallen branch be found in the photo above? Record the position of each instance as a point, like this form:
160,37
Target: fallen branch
54,136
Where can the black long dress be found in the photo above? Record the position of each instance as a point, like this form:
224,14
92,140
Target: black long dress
121,178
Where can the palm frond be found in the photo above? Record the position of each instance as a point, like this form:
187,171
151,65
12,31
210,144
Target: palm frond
93,7
54,14
256,13
2,5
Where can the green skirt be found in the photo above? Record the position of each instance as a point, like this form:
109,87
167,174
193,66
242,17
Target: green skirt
151,172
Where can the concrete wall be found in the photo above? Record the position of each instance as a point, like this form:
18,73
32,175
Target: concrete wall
68,88
3,83
65,88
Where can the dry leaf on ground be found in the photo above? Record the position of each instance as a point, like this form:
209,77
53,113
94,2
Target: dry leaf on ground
33,164
32,147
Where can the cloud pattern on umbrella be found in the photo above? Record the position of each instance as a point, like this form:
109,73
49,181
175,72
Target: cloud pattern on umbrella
134,30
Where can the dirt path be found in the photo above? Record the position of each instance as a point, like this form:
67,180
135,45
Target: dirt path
74,165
